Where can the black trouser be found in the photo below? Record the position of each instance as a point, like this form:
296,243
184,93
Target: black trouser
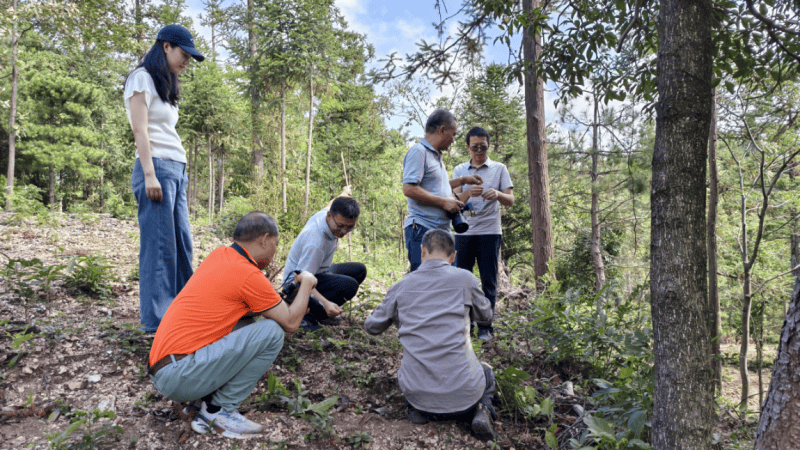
484,249
338,286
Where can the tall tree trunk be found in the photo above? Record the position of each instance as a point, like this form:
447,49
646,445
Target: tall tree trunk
221,178
12,115
747,303
715,319
597,255
210,181
537,151
283,144
255,97
683,409
794,250
213,43
308,148
51,187
137,17
779,422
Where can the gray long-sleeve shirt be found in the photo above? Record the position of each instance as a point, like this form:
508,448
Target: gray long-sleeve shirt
432,308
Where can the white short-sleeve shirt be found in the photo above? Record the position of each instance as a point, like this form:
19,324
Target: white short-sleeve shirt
161,117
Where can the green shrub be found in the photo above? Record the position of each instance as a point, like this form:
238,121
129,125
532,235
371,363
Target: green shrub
90,275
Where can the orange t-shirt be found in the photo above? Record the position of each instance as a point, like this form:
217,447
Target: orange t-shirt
224,288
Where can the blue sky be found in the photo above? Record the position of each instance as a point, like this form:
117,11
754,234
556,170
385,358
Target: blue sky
390,26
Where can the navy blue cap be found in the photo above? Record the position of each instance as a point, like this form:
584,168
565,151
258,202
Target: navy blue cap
180,36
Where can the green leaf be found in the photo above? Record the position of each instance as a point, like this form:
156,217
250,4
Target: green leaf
324,406
512,375
636,423
547,407
551,440
599,427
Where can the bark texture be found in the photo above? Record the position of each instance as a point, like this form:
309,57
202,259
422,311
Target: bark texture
715,320
538,176
683,411
779,425
12,115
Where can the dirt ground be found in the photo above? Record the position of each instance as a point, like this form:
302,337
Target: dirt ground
84,355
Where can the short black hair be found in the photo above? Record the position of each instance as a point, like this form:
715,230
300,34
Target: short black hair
436,240
477,132
439,118
345,207
254,224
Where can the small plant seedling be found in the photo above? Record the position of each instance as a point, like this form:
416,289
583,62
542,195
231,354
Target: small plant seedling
359,438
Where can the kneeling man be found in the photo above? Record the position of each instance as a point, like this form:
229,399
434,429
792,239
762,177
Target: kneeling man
440,375
313,251
208,347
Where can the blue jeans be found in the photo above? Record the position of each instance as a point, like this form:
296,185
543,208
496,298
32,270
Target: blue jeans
230,367
165,240
484,248
414,234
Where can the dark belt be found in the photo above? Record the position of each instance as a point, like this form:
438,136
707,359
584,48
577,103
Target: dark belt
163,362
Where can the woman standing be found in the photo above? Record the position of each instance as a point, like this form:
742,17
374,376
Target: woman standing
159,175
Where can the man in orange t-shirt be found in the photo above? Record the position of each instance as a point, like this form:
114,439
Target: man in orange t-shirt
207,345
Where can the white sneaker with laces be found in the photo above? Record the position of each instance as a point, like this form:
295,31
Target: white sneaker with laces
229,421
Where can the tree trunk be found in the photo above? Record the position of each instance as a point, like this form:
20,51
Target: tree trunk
210,182
597,255
779,423
747,302
308,148
715,319
683,409
255,97
51,187
192,164
221,182
537,152
12,115
283,145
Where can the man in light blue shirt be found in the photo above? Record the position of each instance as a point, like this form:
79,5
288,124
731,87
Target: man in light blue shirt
482,240
426,186
313,251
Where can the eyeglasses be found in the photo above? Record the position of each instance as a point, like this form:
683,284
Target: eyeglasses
339,226
479,148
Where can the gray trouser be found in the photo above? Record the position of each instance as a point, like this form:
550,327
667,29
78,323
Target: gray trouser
467,414
230,367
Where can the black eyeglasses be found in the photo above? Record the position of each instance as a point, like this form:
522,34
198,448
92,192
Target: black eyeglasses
479,148
342,227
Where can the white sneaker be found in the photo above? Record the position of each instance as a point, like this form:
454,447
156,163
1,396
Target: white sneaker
201,426
229,421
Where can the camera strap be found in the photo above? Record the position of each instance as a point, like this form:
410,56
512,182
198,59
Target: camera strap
242,252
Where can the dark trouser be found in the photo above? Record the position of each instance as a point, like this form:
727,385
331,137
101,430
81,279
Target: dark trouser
485,248
338,286
466,415
414,234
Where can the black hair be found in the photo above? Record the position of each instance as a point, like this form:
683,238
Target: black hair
167,83
345,207
477,132
253,225
439,118
436,240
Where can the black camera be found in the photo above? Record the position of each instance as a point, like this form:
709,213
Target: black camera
289,292
459,224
